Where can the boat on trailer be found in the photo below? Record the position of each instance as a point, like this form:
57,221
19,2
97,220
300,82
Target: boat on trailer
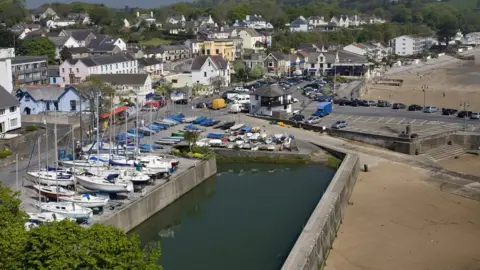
51,178
53,192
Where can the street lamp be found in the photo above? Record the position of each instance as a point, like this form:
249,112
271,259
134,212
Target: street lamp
465,105
424,89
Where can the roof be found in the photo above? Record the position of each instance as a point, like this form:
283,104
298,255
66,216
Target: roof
58,41
345,56
123,79
76,50
298,21
45,92
27,59
278,55
53,71
252,32
78,34
6,99
217,60
270,90
149,61
103,60
313,57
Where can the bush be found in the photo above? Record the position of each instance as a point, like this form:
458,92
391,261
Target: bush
31,128
5,153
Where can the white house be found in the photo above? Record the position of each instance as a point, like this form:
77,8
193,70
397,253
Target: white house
270,98
36,100
254,21
411,44
374,50
76,70
150,66
206,69
315,21
299,25
251,39
59,23
130,85
10,118
61,42
176,19
6,75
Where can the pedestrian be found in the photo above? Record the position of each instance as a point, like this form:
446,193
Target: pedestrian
443,94
143,123
390,96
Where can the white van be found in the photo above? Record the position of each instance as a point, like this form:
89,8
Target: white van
241,99
234,108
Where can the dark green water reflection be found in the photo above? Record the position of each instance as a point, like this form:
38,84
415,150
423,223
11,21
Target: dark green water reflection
248,216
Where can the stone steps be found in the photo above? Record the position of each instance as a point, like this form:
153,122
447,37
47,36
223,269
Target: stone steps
445,151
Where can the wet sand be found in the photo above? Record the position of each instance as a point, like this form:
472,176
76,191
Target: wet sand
397,221
468,164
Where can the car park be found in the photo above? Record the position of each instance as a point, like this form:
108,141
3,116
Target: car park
446,111
475,116
430,109
339,125
464,114
398,106
355,103
344,102
415,107
313,120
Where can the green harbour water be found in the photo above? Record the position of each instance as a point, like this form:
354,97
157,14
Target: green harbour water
248,216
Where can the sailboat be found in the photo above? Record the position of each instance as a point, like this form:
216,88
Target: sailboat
66,209
53,192
82,163
155,164
35,219
51,178
103,184
87,200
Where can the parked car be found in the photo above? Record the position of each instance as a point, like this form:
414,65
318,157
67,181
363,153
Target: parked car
297,118
446,111
430,109
181,101
475,115
415,107
313,120
344,102
398,106
464,114
339,124
356,103
383,103
368,103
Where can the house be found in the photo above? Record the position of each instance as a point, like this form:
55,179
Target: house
180,80
266,38
59,23
82,36
411,44
150,66
299,25
471,38
193,45
10,118
62,42
29,70
105,41
154,52
130,85
176,19
24,28
76,70
315,21
205,20
254,60
277,63
148,18
6,74
213,34
270,98
342,21
254,21
54,74
40,99
221,47
252,39
79,52
175,52
373,50
40,14
208,68
79,18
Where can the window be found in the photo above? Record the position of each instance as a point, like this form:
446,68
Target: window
101,68
174,81
13,109
73,105
208,52
256,97
116,66
48,106
312,65
204,74
78,70
2,111
55,104
70,70
63,79
63,70
217,51
321,59
14,122
110,67
27,98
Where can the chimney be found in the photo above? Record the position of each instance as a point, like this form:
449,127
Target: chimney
138,14
151,14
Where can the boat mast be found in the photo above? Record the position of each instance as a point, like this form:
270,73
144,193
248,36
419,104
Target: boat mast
136,137
126,135
113,123
97,102
151,137
110,128
46,140
38,183
73,157
56,150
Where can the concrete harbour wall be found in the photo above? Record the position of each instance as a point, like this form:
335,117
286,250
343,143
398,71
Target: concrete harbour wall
142,208
311,248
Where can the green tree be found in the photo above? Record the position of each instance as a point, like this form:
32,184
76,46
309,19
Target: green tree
240,70
12,232
447,28
9,39
418,17
66,245
191,137
256,72
40,46
100,16
65,54
12,12
239,12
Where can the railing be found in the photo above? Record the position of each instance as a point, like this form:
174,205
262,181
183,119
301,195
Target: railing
30,70
275,103
32,79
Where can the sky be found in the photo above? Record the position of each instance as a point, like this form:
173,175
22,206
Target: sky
111,3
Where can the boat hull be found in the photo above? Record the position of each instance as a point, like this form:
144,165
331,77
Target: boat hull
51,194
104,187
92,203
50,181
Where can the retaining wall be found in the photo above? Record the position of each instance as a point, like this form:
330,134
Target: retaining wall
142,208
311,249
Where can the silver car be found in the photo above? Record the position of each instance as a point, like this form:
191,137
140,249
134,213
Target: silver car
339,125
475,115
312,120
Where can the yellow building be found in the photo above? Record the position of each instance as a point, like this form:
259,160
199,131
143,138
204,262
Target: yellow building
223,47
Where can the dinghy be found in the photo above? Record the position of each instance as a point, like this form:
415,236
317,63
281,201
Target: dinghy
51,178
67,209
87,200
237,127
35,219
104,185
53,192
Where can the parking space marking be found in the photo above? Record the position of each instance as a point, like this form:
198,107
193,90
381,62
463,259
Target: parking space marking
399,122
348,117
390,120
379,119
423,122
368,119
355,120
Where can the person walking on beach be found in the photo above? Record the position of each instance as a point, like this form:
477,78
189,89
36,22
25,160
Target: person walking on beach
443,94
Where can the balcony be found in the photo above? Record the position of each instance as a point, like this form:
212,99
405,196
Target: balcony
31,70
274,103
32,79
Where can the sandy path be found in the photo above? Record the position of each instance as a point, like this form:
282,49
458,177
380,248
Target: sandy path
398,222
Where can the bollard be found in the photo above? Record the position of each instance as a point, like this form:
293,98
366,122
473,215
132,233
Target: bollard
365,167
416,152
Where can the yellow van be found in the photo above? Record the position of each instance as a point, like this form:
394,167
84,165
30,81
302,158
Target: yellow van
218,104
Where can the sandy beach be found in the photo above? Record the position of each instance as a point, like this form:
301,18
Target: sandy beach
448,82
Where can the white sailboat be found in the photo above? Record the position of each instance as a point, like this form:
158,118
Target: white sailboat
87,200
104,185
82,163
35,219
155,164
133,176
53,192
66,209
50,178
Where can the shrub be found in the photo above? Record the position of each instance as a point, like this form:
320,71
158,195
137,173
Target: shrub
30,128
5,153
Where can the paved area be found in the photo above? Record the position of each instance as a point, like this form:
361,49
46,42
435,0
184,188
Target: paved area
396,221
466,163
